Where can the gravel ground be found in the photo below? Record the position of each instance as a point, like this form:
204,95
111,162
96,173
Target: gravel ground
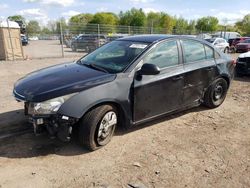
196,148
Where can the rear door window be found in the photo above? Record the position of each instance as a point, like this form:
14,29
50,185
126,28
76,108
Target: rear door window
163,55
193,51
209,52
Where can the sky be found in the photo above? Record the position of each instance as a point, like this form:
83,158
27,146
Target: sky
227,11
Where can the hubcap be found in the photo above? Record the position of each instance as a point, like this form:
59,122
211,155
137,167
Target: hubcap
106,126
218,91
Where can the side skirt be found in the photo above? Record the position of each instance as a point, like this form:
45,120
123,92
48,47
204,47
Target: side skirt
195,104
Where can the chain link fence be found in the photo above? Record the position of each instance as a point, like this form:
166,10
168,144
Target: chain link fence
75,40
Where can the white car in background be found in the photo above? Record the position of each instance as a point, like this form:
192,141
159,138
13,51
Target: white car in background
219,43
33,38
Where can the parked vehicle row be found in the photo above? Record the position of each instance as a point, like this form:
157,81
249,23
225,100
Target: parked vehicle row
88,42
243,46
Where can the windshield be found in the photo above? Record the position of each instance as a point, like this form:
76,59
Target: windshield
114,57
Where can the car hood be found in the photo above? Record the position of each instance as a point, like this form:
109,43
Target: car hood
57,81
247,54
243,44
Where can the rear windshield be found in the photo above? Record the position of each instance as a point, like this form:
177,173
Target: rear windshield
247,41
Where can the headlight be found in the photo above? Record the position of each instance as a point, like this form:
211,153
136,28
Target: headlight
48,107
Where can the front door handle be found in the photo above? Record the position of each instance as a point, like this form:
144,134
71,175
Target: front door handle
177,78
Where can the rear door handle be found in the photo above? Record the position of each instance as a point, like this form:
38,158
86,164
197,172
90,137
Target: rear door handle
210,68
177,78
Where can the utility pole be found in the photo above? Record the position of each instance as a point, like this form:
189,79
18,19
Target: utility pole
152,27
62,41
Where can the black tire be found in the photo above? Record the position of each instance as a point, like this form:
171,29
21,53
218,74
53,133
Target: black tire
90,126
216,93
226,50
233,50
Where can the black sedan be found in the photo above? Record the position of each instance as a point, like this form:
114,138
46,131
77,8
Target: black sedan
243,64
124,83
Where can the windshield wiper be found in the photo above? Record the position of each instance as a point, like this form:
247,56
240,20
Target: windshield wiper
95,66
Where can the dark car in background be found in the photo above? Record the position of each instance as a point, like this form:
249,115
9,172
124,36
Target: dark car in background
234,42
24,40
239,40
88,42
126,82
243,46
243,64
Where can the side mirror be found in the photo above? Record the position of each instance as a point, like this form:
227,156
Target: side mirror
149,69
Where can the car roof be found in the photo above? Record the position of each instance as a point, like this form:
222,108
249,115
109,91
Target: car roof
216,38
146,38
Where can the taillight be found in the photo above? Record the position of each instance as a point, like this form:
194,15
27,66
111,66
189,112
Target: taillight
234,62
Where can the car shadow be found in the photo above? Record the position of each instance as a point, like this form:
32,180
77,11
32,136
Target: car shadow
12,121
29,145
121,131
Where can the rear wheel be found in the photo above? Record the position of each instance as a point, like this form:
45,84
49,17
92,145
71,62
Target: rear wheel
216,93
97,127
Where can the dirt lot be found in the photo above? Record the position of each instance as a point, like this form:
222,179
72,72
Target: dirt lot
47,48
197,148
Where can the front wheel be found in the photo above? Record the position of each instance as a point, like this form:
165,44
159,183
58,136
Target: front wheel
97,127
216,93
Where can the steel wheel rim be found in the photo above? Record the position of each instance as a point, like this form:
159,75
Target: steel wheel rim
218,92
106,127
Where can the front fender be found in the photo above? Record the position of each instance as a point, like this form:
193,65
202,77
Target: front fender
117,91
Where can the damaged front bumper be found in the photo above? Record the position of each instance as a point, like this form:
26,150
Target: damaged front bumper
55,124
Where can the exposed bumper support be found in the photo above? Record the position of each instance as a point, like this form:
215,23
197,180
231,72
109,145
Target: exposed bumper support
56,125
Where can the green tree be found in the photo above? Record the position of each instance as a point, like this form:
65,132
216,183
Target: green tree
33,28
78,23
17,18
244,25
167,22
153,19
21,22
181,26
133,17
46,31
81,18
105,18
191,27
208,24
